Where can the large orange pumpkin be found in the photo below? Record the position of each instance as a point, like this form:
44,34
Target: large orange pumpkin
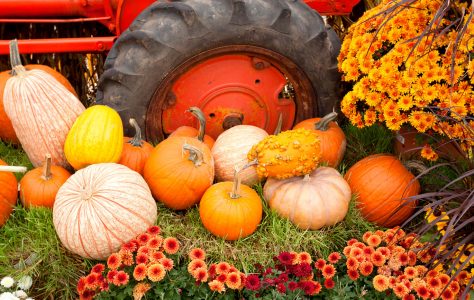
39,186
231,210
333,139
8,190
101,207
382,185
179,171
135,151
193,132
7,133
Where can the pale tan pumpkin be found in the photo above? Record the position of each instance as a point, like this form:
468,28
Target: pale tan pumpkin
101,207
41,110
230,150
310,202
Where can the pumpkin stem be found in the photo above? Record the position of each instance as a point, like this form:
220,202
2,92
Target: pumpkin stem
136,141
306,177
15,60
279,124
323,124
195,155
236,187
202,121
13,169
47,168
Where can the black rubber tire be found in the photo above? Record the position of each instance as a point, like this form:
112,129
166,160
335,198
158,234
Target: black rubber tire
167,33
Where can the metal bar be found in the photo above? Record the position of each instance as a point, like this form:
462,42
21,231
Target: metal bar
63,45
50,8
77,20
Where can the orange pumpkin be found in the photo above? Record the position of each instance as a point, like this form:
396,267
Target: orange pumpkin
39,186
135,151
193,132
333,139
383,185
231,210
7,133
179,171
8,190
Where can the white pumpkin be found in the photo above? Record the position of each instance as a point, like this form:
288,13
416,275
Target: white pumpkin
310,202
101,207
230,150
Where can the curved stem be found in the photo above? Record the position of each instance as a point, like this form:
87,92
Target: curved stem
137,138
13,169
195,155
47,168
202,121
15,60
323,124
279,124
236,186
307,177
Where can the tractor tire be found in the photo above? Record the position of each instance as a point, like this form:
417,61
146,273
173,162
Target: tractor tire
167,35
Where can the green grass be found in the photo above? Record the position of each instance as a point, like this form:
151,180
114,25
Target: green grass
55,271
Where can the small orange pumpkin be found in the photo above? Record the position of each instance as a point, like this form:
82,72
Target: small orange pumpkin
8,190
135,151
333,139
231,210
179,171
39,186
383,185
193,132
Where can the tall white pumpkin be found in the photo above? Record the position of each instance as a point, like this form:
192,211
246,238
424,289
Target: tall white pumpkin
231,148
41,110
101,207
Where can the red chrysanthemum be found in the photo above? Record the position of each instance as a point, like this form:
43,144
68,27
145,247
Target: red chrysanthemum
353,274
81,285
222,277
171,245
447,294
285,258
222,267
433,282
311,287
281,288
411,272
319,264
156,256
155,242
104,286
352,263
454,286
156,272
139,273
154,230
377,259
366,236
114,261
366,268
144,249
411,258
110,275
91,281
197,253
87,295
141,258
212,270
422,291
253,282
233,280
329,271
356,252
334,257
121,278
194,264
380,283
131,246
384,251
143,238
368,251
282,278
302,270
352,242
329,283
292,285
432,273
403,258
347,250
98,268
409,297
167,263
463,277
200,274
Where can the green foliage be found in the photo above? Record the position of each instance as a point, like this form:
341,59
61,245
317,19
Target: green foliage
14,157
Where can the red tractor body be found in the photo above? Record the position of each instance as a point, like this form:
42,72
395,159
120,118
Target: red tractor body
116,15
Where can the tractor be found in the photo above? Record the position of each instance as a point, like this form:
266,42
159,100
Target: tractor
239,61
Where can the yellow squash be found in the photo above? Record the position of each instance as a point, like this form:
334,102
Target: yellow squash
95,137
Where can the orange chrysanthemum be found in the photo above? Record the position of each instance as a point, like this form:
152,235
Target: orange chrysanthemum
374,240
233,280
334,257
121,278
352,263
433,282
328,271
98,268
141,258
144,249
400,290
126,257
423,291
167,263
222,277
447,294
171,245
110,275
411,272
156,272
197,253
200,274
140,290
91,281
366,268
222,268
143,238
114,261
154,230
196,263
319,264
217,286
155,242
157,256
304,257
353,274
140,271
380,283
81,285
377,259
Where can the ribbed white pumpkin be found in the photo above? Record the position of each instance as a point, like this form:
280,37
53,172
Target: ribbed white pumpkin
311,202
101,207
231,148
41,110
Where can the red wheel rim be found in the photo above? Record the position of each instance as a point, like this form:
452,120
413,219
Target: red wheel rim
231,85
